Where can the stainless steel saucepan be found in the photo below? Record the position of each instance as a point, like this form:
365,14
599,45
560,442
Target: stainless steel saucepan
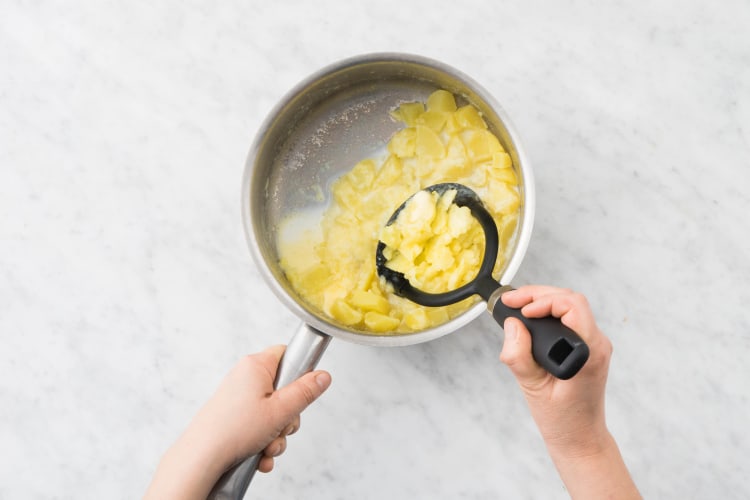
319,131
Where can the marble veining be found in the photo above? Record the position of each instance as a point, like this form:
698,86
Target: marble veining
127,291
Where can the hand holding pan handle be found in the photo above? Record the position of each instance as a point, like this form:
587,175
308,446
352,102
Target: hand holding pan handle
301,356
555,347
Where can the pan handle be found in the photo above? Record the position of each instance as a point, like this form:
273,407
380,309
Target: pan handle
301,356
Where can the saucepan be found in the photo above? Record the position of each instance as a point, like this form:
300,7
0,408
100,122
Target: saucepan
317,132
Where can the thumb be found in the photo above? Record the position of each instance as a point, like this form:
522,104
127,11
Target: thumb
292,399
516,353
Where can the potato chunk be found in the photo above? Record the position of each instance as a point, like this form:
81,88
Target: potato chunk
441,100
369,301
428,143
345,313
380,322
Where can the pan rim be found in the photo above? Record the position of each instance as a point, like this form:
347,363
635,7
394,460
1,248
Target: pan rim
329,327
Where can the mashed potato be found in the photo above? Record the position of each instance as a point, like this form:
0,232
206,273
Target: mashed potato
333,267
437,245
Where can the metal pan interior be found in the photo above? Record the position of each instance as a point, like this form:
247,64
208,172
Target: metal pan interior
320,130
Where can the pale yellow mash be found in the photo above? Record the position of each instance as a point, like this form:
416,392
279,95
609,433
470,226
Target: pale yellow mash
332,266
437,245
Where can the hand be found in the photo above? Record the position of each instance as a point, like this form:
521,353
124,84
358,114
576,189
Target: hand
244,417
569,413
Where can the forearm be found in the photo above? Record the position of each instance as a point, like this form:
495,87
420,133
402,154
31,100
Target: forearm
600,474
184,472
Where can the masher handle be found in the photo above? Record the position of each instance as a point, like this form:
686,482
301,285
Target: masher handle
555,347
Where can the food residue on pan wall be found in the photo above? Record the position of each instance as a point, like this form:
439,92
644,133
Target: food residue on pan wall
332,264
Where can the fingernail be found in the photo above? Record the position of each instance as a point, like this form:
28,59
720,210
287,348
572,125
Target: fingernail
510,329
323,380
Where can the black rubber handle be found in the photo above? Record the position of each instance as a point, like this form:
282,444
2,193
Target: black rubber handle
555,347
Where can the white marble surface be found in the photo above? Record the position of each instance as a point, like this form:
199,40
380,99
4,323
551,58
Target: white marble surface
127,291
